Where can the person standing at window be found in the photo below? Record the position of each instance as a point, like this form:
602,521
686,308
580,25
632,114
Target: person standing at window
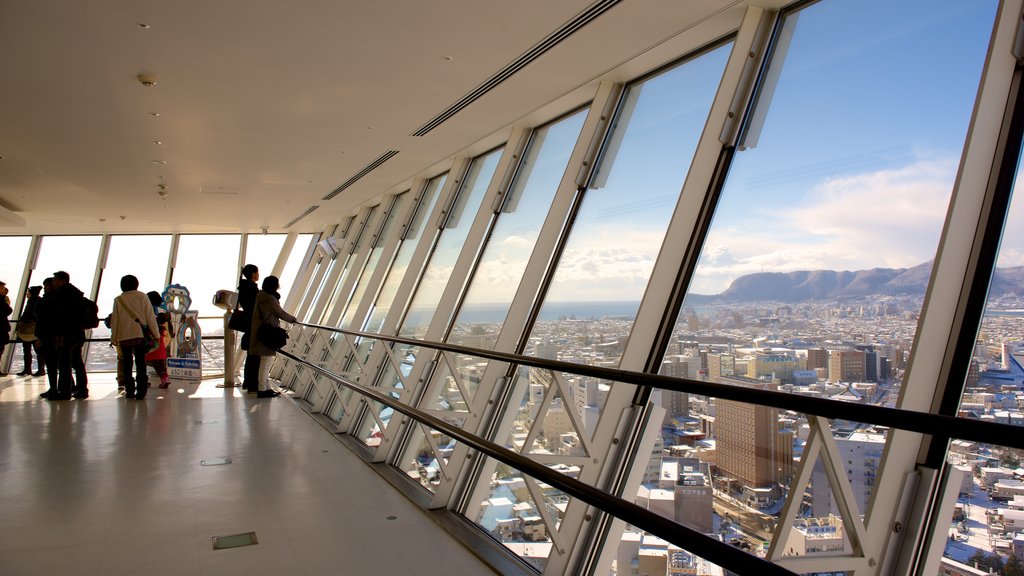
5,323
247,289
61,314
27,332
132,311
268,311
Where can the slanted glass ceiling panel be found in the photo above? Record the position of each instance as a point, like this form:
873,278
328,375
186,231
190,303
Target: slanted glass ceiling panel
143,256
75,255
813,273
439,269
596,290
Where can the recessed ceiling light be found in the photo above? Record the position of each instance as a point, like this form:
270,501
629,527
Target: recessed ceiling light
159,161
448,58
154,113
158,141
142,25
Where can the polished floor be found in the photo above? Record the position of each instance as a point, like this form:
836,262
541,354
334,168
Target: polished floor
110,487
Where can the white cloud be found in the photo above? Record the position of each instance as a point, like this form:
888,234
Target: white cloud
887,218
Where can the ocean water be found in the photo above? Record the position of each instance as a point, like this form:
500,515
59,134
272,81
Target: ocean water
551,311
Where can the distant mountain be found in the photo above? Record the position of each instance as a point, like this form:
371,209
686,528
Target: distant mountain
839,285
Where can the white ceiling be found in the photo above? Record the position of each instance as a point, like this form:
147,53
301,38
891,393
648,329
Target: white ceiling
266,107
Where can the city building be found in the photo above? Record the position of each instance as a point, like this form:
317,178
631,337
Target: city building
847,366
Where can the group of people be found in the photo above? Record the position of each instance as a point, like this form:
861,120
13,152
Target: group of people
55,318
52,325
258,308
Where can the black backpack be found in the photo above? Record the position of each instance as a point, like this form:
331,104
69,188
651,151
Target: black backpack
90,314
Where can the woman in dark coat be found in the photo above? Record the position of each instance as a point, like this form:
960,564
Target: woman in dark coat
27,332
5,323
247,290
267,311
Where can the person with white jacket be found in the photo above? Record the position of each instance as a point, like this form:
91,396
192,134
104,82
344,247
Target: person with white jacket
132,311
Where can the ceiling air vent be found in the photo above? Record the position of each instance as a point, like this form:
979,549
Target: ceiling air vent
219,190
369,168
308,211
568,29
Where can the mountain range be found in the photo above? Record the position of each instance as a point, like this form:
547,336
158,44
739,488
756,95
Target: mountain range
842,285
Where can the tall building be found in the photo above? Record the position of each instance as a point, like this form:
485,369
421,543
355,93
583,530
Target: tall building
817,358
750,446
721,365
847,366
861,454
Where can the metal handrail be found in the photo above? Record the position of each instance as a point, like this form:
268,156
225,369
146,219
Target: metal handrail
686,538
911,420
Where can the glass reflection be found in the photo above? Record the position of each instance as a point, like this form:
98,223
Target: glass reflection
812,276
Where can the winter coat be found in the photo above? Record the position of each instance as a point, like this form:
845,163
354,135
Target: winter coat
247,291
5,323
27,320
267,311
59,314
123,326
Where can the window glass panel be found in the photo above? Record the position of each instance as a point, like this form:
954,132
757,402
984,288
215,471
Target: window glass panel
293,264
617,235
143,256
323,284
449,245
990,472
435,277
497,277
12,267
588,311
831,145
376,256
207,263
75,255
358,366
504,259
813,273
353,259
262,250
385,298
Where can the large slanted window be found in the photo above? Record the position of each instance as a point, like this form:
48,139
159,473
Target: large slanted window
449,245
493,285
588,311
813,271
